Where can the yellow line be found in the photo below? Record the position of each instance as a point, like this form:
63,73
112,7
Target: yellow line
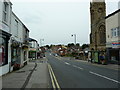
51,77
55,78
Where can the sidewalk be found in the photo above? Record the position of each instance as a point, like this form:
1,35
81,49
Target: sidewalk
40,77
31,76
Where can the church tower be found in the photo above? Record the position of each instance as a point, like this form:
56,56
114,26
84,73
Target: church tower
98,31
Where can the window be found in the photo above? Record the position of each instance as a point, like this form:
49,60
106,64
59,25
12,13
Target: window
102,35
3,53
16,27
115,32
118,31
5,12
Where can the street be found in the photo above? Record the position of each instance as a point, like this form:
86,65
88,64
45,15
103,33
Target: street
77,74
61,72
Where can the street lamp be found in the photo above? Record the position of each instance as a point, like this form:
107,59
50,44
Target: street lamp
41,41
74,38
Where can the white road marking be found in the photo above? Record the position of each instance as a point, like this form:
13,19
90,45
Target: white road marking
67,63
104,77
77,67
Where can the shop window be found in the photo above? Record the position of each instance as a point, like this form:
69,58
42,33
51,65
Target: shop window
3,51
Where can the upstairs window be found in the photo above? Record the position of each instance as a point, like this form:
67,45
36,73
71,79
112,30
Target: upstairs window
115,32
5,12
16,28
118,31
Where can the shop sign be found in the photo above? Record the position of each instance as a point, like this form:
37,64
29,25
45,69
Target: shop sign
32,49
115,44
4,27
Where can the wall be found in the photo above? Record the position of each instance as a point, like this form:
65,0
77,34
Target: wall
111,22
17,34
5,27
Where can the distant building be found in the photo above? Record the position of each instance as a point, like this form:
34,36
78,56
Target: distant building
33,48
113,36
5,18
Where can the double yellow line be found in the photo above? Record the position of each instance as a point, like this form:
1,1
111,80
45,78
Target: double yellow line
54,81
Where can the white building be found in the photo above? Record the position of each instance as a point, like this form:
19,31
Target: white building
19,43
14,39
33,48
5,18
25,45
113,37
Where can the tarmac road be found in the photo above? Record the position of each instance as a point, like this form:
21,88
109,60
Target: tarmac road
74,74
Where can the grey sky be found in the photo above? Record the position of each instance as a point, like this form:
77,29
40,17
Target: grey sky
56,21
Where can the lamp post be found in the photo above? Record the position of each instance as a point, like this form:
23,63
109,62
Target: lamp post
41,42
74,38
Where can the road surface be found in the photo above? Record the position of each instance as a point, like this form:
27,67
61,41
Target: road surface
79,74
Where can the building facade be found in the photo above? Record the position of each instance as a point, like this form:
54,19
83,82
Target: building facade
19,43
98,29
33,48
5,18
16,41
98,33
25,44
113,37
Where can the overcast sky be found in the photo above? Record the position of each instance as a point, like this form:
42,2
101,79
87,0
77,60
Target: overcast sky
56,20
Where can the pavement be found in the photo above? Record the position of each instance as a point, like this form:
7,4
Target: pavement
33,75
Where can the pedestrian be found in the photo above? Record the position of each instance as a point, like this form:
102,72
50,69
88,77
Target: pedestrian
102,58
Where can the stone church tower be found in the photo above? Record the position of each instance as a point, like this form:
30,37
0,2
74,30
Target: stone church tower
98,31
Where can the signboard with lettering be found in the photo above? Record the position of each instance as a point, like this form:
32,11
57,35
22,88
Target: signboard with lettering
32,49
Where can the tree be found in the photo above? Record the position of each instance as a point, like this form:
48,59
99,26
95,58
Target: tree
78,45
70,45
48,46
85,46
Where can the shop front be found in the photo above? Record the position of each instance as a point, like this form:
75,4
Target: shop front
32,53
4,38
25,54
113,53
97,57
15,54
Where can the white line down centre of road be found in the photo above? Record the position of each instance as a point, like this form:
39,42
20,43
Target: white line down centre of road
77,67
104,77
67,63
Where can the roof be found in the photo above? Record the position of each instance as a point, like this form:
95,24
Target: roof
20,21
112,14
31,39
